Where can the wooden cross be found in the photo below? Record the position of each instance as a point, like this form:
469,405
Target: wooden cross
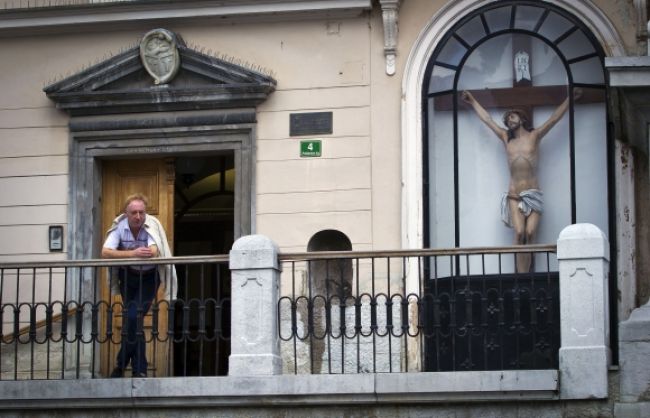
522,95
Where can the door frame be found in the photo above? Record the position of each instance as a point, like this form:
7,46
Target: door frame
96,138
93,139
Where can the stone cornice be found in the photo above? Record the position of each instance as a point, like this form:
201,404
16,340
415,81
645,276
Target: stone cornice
49,19
112,86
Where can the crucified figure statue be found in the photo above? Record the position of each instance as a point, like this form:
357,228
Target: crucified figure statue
522,204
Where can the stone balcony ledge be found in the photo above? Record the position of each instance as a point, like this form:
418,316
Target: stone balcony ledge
386,388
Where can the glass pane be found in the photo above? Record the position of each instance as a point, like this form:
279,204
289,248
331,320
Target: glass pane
442,79
576,45
498,19
553,173
452,53
441,174
527,17
472,31
588,71
591,158
547,68
482,178
554,26
489,66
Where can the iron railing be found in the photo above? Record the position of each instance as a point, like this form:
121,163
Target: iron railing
340,312
424,310
59,320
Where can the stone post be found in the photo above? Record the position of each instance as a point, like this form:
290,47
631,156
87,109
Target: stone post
255,345
583,256
634,356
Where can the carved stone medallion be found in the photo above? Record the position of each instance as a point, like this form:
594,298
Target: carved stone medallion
159,55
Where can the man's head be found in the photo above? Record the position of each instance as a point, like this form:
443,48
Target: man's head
135,209
515,118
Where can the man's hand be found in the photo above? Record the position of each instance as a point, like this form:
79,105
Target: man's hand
143,252
467,97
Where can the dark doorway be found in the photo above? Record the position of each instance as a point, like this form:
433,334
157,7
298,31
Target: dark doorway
204,202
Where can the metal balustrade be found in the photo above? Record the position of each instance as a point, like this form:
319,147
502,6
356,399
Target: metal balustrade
425,310
339,312
59,320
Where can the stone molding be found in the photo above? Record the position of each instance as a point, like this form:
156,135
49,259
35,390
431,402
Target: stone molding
390,17
43,17
112,86
370,389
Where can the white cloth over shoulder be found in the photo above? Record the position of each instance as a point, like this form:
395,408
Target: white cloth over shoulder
529,200
166,272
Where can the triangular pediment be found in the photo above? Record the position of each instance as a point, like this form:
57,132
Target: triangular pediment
122,84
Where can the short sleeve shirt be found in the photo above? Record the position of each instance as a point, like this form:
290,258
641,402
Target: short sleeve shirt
121,238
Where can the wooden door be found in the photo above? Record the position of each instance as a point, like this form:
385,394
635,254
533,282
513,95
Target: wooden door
155,179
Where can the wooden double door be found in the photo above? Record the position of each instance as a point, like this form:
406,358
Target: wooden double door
155,179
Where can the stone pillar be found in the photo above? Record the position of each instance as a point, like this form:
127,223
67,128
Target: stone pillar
583,256
634,356
255,346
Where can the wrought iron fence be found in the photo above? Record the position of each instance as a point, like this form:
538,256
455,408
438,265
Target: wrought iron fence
427,310
60,319
341,312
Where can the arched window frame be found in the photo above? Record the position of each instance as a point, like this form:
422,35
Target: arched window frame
453,33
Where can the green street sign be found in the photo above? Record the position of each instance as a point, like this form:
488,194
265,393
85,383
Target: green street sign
310,148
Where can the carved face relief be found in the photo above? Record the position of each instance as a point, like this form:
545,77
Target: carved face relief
159,55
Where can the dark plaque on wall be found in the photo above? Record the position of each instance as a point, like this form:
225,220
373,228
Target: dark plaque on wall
314,123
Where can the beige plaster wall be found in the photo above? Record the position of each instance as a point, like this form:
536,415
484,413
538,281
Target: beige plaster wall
33,157
320,65
34,136
297,197
623,16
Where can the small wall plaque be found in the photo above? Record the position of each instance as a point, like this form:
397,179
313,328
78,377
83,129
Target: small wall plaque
310,148
314,123
56,237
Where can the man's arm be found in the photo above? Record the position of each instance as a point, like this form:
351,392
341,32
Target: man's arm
484,116
141,252
557,115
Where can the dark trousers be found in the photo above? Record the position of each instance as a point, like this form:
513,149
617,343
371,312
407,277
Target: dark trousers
138,290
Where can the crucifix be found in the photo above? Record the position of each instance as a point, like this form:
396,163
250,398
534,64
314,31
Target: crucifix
522,203
522,95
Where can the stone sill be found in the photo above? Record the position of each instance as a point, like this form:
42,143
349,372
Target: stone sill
388,388
628,71
66,18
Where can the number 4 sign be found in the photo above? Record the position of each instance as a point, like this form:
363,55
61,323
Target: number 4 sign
310,148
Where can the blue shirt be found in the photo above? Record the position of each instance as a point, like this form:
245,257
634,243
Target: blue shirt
121,238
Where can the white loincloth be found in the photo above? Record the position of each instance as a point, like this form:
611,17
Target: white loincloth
529,200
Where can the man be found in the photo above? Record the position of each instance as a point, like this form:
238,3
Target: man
134,234
522,204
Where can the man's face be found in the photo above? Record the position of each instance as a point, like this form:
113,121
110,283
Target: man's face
513,121
135,213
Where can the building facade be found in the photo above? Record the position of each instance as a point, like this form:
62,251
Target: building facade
329,125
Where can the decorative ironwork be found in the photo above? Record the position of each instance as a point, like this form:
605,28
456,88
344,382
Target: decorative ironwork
55,324
405,312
